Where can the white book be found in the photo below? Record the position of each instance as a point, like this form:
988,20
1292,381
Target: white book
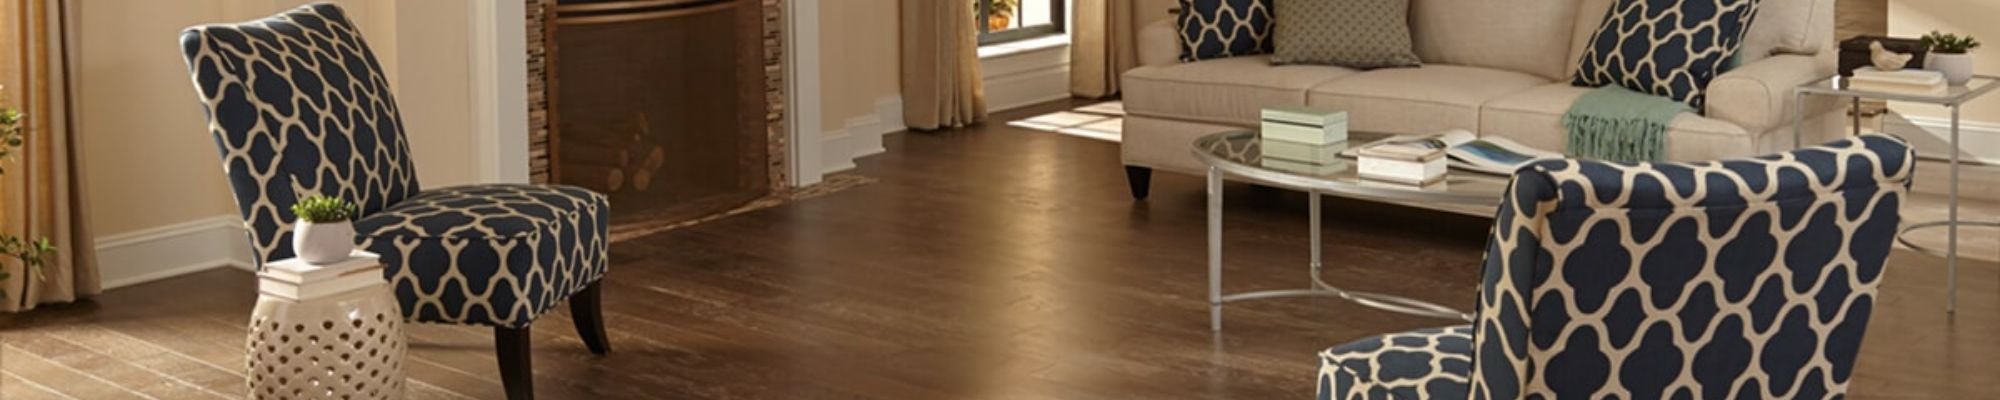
298,270
1303,152
1466,150
1411,172
327,286
1308,134
1903,76
1938,90
1415,163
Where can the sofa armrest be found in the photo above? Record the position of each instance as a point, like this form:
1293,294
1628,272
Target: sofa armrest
1758,96
1159,44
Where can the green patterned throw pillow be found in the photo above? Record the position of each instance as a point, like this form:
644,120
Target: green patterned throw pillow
1364,34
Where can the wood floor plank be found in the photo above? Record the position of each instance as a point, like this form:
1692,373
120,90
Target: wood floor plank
176,367
14,387
66,380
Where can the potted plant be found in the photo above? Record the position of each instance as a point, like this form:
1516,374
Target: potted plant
1000,15
325,229
31,252
1949,55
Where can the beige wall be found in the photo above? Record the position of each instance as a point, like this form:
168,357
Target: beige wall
1979,18
859,58
1148,11
150,161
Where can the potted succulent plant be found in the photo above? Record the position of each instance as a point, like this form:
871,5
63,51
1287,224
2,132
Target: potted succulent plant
32,252
325,229
1950,55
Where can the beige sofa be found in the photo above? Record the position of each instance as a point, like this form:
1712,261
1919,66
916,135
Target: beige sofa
1497,67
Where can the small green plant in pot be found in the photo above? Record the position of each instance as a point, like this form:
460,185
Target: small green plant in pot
324,232
1950,55
31,252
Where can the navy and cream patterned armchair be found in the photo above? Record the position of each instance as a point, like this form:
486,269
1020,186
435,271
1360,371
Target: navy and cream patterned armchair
1749,278
298,105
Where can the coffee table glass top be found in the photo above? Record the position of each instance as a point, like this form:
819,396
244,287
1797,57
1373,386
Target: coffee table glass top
1240,153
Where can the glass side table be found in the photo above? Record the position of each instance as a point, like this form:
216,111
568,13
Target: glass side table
1954,98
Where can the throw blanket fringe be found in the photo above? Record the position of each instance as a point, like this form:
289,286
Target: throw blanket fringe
1612,123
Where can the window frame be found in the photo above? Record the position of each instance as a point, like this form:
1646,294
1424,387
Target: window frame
1058,20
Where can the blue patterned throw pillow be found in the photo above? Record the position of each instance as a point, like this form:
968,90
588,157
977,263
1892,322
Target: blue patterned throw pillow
1224,28
1670,48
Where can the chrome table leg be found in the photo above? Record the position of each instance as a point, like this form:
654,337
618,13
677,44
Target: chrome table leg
1215,249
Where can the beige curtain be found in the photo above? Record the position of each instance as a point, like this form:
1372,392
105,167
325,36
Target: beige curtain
41,192
941,87
1102,47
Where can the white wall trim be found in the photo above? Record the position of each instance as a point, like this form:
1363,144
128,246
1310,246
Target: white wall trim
1979,141
802,96
1026,76
499,94
167,251
861,136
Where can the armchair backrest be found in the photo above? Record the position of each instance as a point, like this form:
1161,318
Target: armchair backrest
298,106
1750,278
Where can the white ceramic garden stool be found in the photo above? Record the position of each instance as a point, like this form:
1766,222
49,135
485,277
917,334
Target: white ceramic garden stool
326,331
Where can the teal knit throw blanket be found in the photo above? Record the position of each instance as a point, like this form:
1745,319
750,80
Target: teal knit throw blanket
1612,123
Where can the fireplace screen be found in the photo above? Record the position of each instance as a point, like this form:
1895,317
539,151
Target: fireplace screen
660,105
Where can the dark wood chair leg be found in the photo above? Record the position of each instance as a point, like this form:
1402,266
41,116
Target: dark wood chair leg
587,309
1141,179
517,370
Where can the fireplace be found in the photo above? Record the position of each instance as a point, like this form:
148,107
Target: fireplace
671,108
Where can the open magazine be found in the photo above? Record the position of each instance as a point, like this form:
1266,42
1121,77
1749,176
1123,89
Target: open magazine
1467,151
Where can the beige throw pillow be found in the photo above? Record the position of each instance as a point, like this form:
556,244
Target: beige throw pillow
1363,34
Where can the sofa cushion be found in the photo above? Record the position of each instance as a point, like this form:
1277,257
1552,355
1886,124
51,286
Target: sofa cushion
1668,48
1212,29
1534,118
1230,90
1788,27
1492,34
1363,34
1418,100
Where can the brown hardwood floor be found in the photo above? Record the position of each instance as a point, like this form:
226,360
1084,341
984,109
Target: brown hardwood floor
989,263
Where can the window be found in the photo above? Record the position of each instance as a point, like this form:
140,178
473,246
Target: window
1002,21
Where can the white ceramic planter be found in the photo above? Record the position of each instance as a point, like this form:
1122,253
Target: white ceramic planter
1957,68
321,243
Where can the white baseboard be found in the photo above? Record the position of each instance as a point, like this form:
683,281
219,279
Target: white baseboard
861,136
1979,141
1024,78
164,252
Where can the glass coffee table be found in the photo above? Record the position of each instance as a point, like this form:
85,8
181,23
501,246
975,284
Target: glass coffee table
1239,154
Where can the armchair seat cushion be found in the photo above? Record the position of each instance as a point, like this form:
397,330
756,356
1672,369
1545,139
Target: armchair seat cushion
1431,363
497,254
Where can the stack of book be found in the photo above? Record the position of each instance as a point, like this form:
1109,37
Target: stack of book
1409,161
1303,140
297,280
1907,81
